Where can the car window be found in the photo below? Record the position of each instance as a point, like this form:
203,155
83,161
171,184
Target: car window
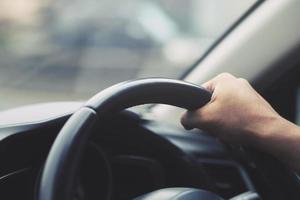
54,50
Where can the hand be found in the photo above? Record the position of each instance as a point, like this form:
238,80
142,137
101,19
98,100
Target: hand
236,112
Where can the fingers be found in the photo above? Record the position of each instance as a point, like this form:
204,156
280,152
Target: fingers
211,84
198,118
192,119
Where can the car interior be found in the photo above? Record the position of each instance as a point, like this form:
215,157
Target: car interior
126,142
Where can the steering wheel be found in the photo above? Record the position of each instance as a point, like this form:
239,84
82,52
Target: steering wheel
62,164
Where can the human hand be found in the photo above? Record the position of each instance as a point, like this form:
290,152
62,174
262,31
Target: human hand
236,112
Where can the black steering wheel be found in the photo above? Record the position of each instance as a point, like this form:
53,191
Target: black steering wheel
62,164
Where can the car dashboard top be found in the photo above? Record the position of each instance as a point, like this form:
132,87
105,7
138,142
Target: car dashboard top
127,156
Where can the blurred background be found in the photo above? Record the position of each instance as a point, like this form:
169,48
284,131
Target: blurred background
54,50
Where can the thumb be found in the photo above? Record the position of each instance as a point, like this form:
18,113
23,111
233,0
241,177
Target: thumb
187,120
196,119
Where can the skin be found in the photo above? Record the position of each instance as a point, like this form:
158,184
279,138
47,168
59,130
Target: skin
238,114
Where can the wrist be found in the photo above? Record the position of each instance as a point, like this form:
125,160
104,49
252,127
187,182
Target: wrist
280,138
266,129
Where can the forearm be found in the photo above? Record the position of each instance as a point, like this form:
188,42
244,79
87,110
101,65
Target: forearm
281,138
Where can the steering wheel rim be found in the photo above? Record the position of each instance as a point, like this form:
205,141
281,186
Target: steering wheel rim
62,163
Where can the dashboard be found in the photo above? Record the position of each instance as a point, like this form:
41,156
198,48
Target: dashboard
129,155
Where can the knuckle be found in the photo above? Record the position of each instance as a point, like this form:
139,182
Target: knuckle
243,80
225,75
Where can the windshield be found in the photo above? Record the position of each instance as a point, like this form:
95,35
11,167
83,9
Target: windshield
60,50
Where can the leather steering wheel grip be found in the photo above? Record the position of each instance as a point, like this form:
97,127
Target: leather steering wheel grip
62,164
147,91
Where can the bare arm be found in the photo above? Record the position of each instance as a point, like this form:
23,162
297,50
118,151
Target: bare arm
238,114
